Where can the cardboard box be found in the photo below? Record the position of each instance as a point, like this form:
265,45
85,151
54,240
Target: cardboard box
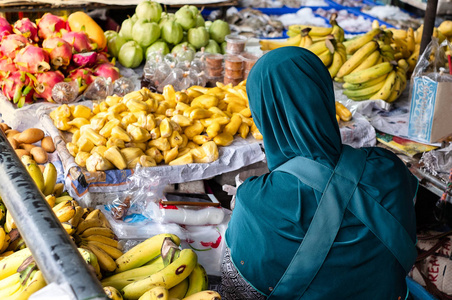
431,110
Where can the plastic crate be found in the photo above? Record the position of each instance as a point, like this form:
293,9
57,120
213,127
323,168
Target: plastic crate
417,291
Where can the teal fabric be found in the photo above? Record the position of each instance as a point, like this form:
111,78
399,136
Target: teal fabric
292,103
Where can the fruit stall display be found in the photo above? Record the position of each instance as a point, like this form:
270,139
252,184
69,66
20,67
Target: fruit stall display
36,56
150,29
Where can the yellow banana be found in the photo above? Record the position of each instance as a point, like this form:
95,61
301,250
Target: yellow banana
112,293
179,291
104,240
168,277
410,40
65,214
98,231
143,252
370,61
34,171
62,198
75,220
13,286
197,280
364,91
396,91
50,177
204,295
5,244
335,64
34,284
156,293
387,88
326,58
7,282
9,264
9,222
85,224
370,73
105,261
120,280
357,86
354,45
271,44
357,58
2,237
320,31
112,251
318,48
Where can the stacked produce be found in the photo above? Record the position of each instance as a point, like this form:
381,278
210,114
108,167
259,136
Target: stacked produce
324,42
148,128
150,29
37,56
158,269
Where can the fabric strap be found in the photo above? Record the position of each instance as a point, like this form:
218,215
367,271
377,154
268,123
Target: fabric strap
338,187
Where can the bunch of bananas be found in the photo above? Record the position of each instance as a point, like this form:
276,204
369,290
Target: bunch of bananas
324,42
153,270
20,277
147,128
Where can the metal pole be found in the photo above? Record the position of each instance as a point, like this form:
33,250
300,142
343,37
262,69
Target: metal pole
429,24
54,252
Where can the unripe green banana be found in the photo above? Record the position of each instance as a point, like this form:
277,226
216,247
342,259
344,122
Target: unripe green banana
120,280
370,73
168,277
197,280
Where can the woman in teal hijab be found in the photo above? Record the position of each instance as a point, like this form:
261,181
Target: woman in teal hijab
328,221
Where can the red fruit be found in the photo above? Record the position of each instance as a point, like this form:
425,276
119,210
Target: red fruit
3,21
60,51
102,58
108,71
49,25
6,65
5,29
17,88
12,43
45,82
78,40
86,59
32,59
83,76
26,28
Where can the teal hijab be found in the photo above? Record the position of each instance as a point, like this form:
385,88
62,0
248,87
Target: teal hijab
292,103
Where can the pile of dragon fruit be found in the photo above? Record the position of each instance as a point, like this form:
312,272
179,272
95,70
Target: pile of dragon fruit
36,56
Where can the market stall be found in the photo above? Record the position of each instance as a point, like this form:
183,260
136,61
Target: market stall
121,133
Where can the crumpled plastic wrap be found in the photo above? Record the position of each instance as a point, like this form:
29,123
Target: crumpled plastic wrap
438,162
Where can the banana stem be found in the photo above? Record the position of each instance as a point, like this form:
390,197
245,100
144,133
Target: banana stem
52,248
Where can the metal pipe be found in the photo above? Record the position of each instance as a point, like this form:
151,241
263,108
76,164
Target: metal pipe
54,252
429,24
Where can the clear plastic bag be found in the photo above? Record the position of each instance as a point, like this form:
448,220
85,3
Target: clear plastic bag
65,92
433,62
99,89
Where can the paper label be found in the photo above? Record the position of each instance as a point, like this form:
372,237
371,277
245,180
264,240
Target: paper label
422,108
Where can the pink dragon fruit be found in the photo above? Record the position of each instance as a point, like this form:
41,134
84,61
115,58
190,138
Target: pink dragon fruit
83,76
6,66
86,59
12,43
108,71
5,28
26,28
17,88
32,59
44,84
50,25
78,40
102,58
60,51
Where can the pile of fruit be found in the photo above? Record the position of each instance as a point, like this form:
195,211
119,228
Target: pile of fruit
148,128
375,65
37,56
150,29
324,42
